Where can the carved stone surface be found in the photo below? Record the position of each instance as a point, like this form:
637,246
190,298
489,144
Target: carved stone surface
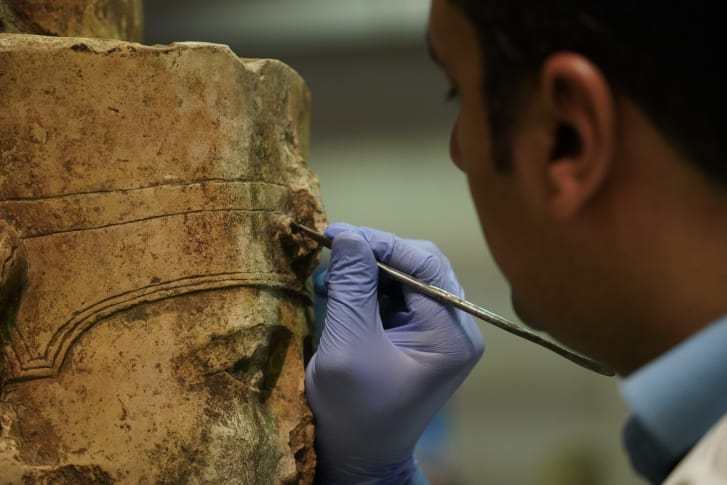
153,304
108,19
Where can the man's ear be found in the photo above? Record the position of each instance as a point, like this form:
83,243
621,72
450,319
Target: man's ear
580,111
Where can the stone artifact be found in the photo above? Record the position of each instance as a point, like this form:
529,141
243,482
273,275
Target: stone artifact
113,19
152,304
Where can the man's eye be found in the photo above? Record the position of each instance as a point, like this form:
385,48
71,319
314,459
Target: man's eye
452,94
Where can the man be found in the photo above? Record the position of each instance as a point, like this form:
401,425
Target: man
591,136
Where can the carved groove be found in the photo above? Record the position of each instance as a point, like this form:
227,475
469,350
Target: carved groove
151,218
146,187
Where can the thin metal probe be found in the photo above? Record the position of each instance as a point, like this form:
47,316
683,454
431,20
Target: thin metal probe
482,313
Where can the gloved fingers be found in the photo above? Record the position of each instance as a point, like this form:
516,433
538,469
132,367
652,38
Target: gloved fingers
421,259
447,279
388,288
425,261
451,343
337,228
450,282
390,296
430,247
421,262
417,301
427,325
472,330
352,284
439,326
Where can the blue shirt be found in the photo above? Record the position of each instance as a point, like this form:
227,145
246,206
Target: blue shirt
677,398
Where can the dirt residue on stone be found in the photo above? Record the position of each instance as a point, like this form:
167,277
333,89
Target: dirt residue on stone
69,474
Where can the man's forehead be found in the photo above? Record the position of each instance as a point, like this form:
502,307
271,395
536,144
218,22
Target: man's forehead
439,33
437,23
451,35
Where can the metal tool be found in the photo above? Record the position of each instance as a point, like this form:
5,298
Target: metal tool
482,313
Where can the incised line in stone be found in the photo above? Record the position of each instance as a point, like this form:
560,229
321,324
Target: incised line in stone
162,216
146,187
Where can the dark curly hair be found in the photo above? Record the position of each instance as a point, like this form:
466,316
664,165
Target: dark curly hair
663,55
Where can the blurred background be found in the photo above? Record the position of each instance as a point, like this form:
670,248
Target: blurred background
380,148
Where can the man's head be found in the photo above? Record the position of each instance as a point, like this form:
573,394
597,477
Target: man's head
590,136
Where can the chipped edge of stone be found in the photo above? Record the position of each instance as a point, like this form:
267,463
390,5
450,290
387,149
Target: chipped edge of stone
15,41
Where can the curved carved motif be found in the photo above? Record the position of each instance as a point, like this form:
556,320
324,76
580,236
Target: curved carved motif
84,319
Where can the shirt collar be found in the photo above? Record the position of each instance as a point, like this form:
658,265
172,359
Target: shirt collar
683,393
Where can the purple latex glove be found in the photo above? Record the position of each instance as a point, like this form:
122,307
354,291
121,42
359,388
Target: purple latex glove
374,383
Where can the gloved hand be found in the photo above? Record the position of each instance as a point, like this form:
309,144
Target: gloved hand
377,380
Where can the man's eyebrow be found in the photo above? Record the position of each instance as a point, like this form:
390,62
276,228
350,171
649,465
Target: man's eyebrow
432,52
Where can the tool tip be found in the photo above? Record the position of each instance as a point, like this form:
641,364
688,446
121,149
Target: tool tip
312,234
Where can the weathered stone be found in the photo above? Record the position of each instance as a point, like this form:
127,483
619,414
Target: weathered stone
154,309
106,19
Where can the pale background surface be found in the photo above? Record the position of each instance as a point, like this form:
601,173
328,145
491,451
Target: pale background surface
379,146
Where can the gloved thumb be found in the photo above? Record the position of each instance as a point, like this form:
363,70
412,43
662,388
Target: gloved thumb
352,282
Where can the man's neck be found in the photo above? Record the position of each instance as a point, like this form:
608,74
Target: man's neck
678,264
664,245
